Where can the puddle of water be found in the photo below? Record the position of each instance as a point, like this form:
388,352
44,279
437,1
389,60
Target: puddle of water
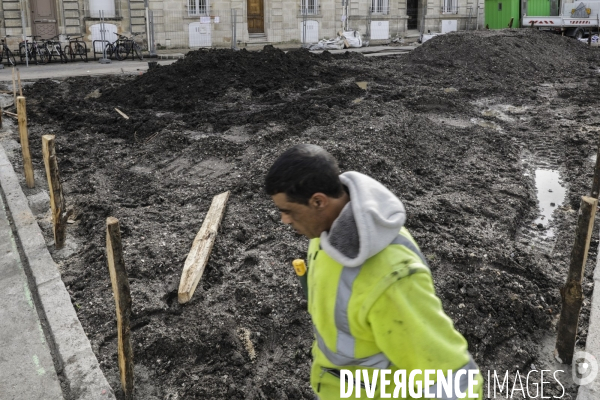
549,191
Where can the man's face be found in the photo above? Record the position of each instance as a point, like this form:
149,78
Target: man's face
305,219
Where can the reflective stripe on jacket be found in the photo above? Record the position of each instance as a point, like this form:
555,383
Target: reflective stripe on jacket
381,315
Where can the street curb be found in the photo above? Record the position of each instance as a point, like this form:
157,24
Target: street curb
592,391
76,358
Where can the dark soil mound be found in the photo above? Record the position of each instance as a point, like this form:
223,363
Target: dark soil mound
507,59
206,75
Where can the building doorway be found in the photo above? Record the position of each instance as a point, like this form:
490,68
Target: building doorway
256,16
43,21
412,12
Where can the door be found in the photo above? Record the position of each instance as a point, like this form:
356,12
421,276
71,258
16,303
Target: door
256,16
43,18
412,12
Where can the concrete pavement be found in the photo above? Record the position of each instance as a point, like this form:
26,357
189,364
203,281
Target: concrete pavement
26,367
90,68
591,390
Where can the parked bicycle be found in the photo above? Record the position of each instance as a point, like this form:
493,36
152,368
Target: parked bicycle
115,49
129,46
33,51
7,54
75,48
55,50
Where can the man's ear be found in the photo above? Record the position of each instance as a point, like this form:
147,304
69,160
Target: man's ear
319,201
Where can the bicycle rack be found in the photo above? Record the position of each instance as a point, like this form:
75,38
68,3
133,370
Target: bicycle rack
105,42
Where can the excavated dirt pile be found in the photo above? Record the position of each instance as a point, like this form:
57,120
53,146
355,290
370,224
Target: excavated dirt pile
457,129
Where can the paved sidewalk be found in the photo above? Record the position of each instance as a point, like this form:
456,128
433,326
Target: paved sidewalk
79,69
26,367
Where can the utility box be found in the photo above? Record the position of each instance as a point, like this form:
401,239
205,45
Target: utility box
499,12
380,30
449,25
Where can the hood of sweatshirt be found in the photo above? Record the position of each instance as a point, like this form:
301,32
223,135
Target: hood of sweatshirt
367,224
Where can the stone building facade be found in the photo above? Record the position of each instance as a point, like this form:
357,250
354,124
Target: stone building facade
204,23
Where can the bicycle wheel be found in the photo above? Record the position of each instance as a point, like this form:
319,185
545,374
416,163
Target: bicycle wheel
121,52
22,52
69,52
137,51
44,54
81,50
61,54
10,58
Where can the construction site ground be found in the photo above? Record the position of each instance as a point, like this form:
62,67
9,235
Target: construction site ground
461,129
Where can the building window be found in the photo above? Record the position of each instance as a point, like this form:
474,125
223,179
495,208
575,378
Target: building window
450,7
380,6
309,7
197,7
102,8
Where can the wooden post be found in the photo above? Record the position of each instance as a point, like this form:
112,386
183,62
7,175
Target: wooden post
596,182
120,286
23,134
571,293
14,86
57,201
198,256
510,24
19,79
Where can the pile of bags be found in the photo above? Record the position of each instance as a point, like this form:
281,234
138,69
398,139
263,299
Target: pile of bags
344,40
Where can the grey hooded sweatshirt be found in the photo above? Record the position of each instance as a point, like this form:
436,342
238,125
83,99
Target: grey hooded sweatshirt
367,224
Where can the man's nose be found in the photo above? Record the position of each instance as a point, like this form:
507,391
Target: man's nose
286,219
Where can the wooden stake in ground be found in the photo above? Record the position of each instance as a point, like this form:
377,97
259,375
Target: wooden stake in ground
198,256
57,201
14,86
23,134
120,286
571,293
596,183
19,79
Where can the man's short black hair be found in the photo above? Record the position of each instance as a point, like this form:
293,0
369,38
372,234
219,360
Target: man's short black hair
302,171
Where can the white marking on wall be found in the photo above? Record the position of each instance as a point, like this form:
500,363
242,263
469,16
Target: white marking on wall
380,30
96,30
449,25
312,31
200,34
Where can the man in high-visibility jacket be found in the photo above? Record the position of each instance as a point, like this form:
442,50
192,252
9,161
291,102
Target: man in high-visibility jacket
370,292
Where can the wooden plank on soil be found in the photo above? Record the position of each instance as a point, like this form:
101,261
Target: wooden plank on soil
120,286
122,113
198,256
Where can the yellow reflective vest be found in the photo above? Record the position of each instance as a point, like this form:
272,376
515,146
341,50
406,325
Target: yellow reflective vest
381,315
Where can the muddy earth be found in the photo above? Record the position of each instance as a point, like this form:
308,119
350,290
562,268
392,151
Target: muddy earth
458,129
